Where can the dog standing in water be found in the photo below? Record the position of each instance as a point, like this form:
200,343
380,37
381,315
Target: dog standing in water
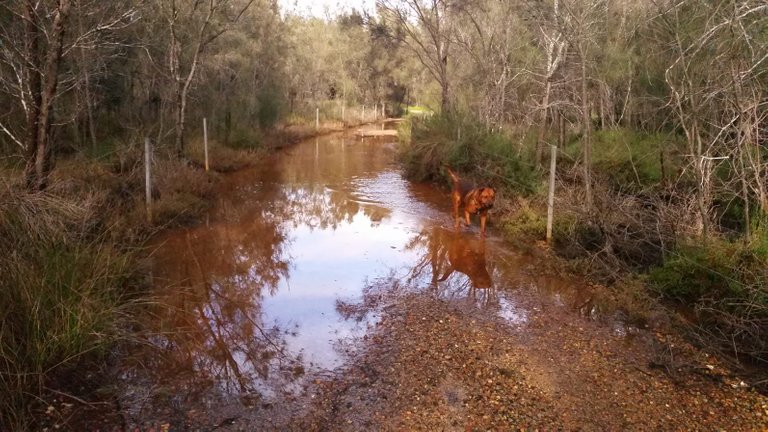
475,200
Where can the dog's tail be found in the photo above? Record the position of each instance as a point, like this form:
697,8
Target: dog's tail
453,175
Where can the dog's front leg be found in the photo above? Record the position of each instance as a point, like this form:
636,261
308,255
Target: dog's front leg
483,216
448,272
455,200
466,216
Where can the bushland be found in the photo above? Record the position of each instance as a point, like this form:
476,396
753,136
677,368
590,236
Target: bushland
641,243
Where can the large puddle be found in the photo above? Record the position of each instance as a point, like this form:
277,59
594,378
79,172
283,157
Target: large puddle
291,270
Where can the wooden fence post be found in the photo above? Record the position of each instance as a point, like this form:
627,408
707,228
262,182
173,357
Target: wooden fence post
205,141
148,176
551,197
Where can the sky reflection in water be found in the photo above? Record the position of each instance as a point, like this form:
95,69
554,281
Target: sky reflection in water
294,264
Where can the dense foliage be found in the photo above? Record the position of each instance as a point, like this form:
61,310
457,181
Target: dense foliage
656,109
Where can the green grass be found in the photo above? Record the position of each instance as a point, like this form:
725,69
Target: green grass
71,269
418,110
527,225
65,295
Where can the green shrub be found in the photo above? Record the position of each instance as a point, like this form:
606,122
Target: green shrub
515,173
530,224
726,284
630,158
270,106
759,240
693,272
104,149
468,147
244,138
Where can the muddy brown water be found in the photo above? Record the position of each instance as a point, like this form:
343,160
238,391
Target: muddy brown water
281,284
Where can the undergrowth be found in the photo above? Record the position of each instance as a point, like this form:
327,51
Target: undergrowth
66,294
631,160
725,284
468,147
73,273
72,270
635,240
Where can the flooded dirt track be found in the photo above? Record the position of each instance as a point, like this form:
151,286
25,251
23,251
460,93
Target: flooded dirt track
326,292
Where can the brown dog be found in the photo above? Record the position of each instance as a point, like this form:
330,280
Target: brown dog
473,199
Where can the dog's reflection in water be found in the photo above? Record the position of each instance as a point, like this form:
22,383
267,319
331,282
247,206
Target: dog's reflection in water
455,252
466,254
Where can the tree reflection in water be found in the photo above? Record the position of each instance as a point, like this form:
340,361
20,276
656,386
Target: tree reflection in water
208,342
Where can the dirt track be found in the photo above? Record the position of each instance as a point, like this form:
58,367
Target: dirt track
433,365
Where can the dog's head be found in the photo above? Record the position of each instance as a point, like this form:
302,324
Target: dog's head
485,197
